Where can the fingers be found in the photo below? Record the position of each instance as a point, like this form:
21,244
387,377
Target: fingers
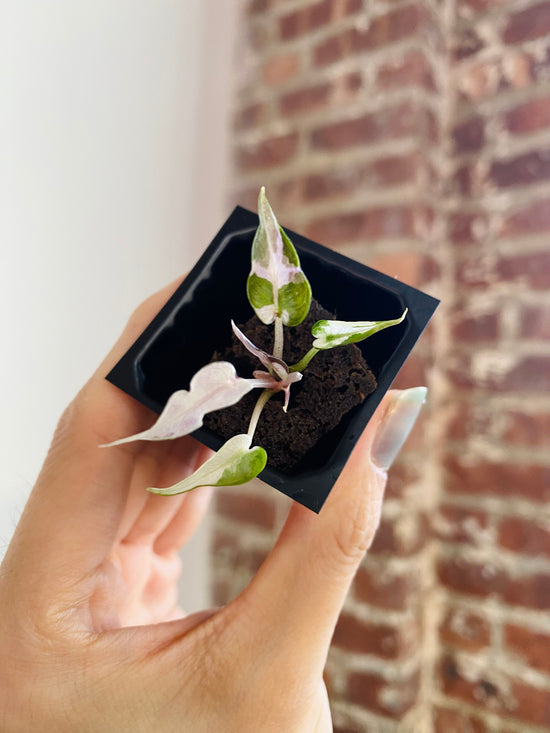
147,515
292,604
185,521
76,506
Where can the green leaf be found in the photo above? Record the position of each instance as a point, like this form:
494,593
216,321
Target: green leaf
276,286
340,333
234,463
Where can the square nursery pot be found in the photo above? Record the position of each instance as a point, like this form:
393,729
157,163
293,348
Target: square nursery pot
195,322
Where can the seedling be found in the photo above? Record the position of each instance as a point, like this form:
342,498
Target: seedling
280,294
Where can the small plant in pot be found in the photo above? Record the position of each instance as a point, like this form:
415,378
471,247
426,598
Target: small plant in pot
301,359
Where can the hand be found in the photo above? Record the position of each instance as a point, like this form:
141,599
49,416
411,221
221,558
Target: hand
91,636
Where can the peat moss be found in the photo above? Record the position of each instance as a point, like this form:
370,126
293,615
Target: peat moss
334,382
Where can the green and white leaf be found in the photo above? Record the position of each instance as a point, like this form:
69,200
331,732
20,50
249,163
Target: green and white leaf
340,333
213,387
276,286
234,463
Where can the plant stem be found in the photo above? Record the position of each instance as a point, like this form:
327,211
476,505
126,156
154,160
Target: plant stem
279,338
304,361
258,407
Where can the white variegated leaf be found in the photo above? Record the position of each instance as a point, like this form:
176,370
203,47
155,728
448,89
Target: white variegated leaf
276,286
340,333
234,463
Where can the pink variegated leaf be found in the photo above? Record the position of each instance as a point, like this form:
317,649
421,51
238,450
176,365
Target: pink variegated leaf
276,287
276,367
213,387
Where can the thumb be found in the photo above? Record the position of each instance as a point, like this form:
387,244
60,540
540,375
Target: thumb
293,602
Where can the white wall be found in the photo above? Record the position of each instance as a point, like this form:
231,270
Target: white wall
102,118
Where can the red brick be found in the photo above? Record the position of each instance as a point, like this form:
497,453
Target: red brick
396,25
524,535
532,647
457,721
531,374
458,524
347,7
250,116
528,374
529,117
396,221
467,227
334,48
480,329
402,120
345,134
532,269
464,180
246,508
378,588
470,420
523,169
281,68
477,692
531,591
271,152
469,578
412,69
303,21
532,219
486,478
413,373
390,170
362,637
413,268
333,182
302,101
401,475
530,430
368,690
531,705
397,121
465,630
469,136
393,26
390,539
535,322
533,22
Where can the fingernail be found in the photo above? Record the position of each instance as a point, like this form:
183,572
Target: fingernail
396,426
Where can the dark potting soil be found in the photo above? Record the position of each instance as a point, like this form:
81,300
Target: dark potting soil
334,382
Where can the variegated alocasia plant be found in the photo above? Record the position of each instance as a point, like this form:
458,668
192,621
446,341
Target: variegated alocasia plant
279,293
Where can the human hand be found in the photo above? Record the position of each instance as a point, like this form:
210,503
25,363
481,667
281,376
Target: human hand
91,636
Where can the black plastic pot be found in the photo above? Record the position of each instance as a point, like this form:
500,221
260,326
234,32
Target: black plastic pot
196,322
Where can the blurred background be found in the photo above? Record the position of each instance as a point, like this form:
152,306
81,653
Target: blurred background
411,135
112,169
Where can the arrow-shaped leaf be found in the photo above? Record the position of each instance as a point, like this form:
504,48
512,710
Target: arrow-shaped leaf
340,333
276,286
213,387
234,463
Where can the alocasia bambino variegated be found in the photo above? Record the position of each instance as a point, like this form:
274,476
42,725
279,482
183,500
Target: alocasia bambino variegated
280,294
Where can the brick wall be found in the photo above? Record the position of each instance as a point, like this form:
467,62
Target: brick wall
414,136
